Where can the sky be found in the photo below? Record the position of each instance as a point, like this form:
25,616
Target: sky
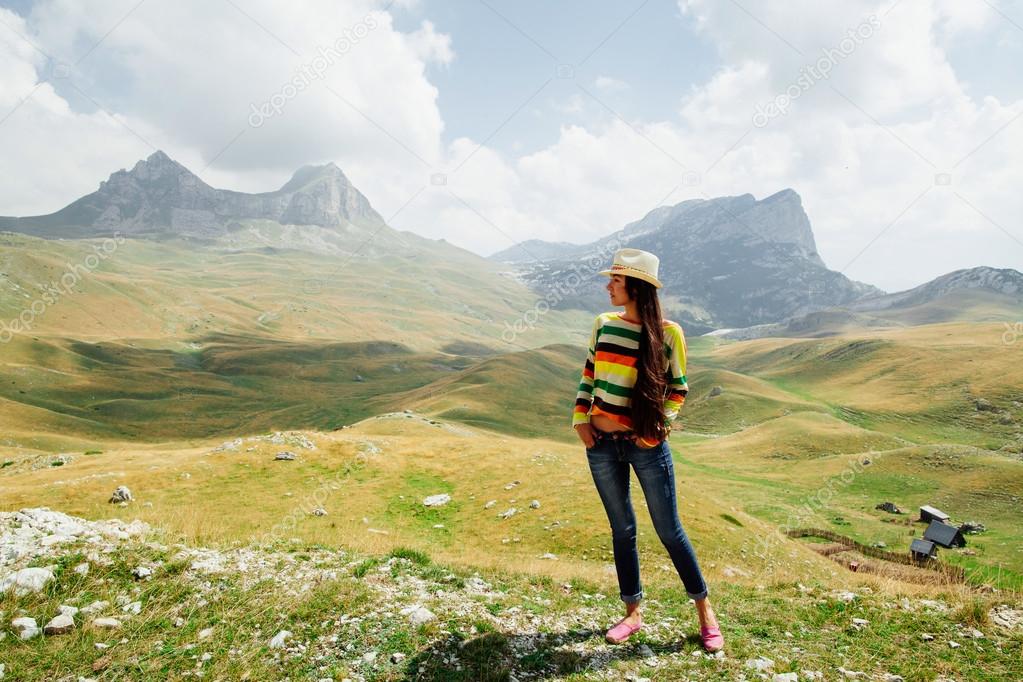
489,122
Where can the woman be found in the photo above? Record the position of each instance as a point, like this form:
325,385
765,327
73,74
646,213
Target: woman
633,385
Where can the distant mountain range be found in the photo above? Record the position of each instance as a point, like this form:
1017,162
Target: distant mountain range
160,197
980,294
727,263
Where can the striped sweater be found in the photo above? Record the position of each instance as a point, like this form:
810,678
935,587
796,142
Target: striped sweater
610,370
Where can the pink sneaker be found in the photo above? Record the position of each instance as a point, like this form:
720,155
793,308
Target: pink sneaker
622,631
711,638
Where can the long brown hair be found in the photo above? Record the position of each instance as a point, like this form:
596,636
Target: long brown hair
648,394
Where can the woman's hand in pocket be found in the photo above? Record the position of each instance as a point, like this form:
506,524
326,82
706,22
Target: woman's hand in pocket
586,434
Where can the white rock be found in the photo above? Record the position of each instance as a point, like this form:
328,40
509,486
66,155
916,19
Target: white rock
785,677
976,634
134,607
508,513
436,500
2,669
141,572
418,615
26,581
926,636
845,596
397,657
548,555
813,674
285,456
851,674
121,494
859,623
25,627
369,656
101,646
94,607
890,677
535,504
319,511
66,610
205,633
954,645
179,621
59,625
82,568
759,664
106,623
278,640
489,504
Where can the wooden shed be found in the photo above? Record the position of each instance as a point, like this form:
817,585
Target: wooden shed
922,549
928,513
944,535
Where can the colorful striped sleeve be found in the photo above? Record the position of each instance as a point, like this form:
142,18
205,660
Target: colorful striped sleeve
584,397
675,375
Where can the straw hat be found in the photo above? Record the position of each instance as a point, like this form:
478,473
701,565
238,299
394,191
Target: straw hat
635,263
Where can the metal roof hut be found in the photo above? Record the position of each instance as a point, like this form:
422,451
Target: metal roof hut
922,550
929,513
944,535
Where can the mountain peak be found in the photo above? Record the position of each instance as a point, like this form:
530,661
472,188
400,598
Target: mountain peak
312,173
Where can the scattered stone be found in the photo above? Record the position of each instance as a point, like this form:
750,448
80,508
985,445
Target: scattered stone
926,636
26,581
1005,616
59,625
645,652
319,511
279,639
179,622
397,657
418,615
508,513
715,392
548,555
82,568
984,405
813,674
141,572
976,634
436,500
511,485
134,607
369,657
490,504
859,623
66,610
972,527
285,456
121,494
890,677
106,623
851,674
205,633
94,607
845,596
785,677
535,504
953,645
760,664
25,627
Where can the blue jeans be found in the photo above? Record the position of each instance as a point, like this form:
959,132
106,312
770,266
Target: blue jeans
609,461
